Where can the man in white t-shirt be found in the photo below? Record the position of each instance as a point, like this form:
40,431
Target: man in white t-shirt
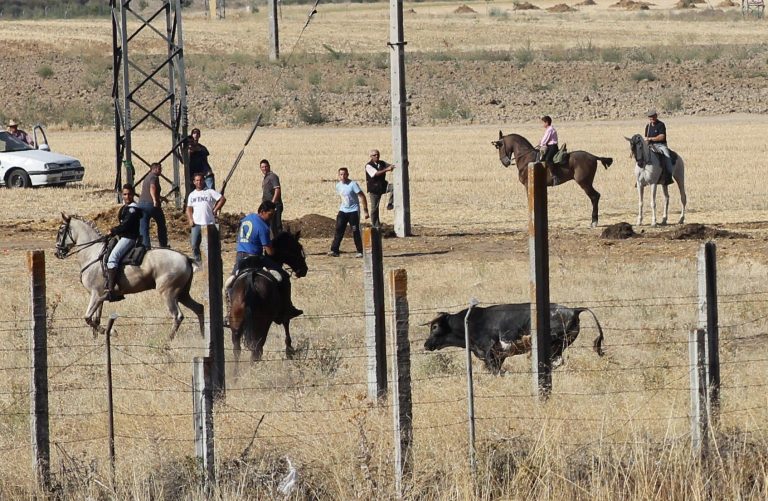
349,212
203,205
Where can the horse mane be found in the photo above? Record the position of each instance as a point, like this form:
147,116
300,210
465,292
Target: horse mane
88,222
521,138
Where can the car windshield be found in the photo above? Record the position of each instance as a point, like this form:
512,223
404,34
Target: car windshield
9,143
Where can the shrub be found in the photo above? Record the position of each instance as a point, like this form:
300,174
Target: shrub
450,108
45,71
501,15
611,55
644,74
524,55
672,101
311,114
314,78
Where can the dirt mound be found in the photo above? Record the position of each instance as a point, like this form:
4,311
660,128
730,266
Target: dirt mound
464,9
685,4
410,11
632,5
727,3
618,231
561,7
524,6
317,226
699,232
586,3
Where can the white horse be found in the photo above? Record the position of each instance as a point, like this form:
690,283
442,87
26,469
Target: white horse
168,271
648,171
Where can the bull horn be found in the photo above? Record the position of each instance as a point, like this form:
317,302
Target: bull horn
501,136
628,139
64,217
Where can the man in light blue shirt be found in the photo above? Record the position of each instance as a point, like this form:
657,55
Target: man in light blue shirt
349,212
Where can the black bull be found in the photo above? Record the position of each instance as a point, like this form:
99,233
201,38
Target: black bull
504,330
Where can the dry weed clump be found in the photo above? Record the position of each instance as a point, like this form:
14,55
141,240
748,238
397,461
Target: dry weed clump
561,7
524,6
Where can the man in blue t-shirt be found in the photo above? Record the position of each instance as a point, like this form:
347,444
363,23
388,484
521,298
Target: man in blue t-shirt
255,244
349,212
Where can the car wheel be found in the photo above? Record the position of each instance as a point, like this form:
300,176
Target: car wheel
17,178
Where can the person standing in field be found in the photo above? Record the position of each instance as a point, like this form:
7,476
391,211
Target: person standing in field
349,212
13,129
150,204
198,160
203,205
377,185
271,192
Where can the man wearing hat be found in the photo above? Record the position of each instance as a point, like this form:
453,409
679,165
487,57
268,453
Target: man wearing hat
656,135
13,129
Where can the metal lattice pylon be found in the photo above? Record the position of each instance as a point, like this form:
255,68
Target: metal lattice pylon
146,91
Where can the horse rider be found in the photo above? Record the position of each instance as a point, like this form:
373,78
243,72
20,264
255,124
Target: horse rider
656,136
255,244
128,231
548,147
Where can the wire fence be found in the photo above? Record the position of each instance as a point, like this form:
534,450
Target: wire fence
638,394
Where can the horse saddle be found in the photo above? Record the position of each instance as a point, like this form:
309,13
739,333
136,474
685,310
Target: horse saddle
658,161
561,157
133,257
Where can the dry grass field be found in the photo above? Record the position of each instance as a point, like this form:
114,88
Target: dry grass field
616,427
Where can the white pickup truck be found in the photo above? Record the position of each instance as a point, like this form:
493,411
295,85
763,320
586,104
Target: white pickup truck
22,166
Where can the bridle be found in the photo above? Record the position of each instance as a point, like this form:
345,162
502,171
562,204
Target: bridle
509,155
63,252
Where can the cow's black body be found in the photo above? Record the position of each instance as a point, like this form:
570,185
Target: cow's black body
503,330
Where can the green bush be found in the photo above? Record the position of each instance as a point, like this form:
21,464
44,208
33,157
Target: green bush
311,114
524,55
644,74
450,108
314,78
611,55
499,14
672,101
45,71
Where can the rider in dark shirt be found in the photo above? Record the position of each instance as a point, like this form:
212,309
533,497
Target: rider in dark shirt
128,233
656,135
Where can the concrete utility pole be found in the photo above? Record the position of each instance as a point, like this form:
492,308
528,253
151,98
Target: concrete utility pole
274,39
399,119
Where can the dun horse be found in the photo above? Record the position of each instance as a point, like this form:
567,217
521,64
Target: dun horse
582,166
256,301
168,271
648,172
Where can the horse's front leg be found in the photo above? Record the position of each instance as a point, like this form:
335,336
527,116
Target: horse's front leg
289,351
640,190
665,190
653,205
93,312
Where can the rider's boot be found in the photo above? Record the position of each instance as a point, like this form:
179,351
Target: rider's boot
551,168
290,310
110,294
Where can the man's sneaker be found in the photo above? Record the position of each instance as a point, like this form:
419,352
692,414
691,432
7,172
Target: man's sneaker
359,254
333,254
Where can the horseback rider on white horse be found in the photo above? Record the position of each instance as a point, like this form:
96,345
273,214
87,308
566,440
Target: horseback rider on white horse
128,231
656,136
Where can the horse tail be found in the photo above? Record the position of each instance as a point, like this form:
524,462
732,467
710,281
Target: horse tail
597,345
606,161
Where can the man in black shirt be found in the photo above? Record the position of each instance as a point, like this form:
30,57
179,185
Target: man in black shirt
128,233
656,135
377,185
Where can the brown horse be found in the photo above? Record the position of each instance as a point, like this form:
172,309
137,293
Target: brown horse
582,165
257,302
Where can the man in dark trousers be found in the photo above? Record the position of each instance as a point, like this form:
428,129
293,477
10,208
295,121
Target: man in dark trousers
149,203
377,185
349,212
127,232
271,192
656,135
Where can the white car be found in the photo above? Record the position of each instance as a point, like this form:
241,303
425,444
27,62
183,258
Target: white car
21,165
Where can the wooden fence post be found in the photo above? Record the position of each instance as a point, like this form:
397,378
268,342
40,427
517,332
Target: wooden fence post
214,311
538,249
402,405
38,354
708,320
699,418
202,400
375,329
